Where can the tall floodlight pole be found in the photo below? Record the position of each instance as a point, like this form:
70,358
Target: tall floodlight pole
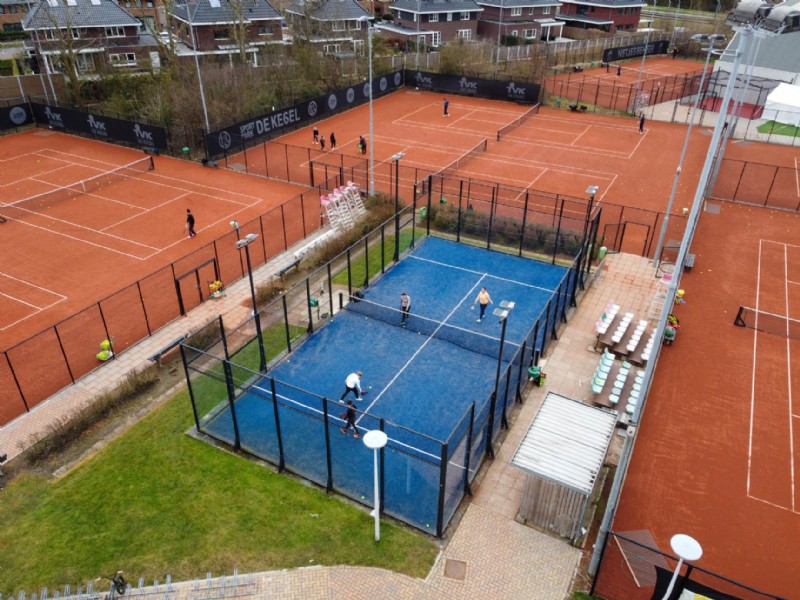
675,22
369,22
419,18
694,215
197,62
641,67
499,35
656,257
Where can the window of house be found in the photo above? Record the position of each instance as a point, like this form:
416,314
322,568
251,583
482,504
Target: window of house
433,18
124,59
464,34
516,12
464,16
221,34
514,33
436,39
150,4
332,48
531,10
265,30
49,34
76,33
356,25
339,26
530,34
358,46
114,32
545,10
84,63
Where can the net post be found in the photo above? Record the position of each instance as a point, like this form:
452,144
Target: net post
739,320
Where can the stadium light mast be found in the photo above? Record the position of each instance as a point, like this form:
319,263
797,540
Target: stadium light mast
197,61
657,256
370,24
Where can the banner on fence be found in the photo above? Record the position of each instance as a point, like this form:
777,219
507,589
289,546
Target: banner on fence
473,86
109,129
15,116
263,127
635,51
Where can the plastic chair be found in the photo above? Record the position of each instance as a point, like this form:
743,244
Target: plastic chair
597,389
613,398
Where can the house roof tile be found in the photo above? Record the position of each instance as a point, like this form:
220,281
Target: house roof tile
328,10
52,14
206,12
436,6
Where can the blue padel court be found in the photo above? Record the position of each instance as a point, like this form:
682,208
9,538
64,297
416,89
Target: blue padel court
429,382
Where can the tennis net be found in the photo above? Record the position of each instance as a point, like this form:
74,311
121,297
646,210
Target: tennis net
534,110
458,336
767,322
36,203
456,164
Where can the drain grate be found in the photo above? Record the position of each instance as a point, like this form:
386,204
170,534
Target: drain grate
455,569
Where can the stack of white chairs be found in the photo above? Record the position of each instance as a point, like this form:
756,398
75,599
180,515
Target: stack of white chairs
619,383
622,328
343,206
601,373
607,317
648,348
636,390
637,335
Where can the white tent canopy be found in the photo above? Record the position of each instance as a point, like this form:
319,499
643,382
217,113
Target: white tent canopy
783,105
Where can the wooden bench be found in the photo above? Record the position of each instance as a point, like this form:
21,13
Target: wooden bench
289,267
156,358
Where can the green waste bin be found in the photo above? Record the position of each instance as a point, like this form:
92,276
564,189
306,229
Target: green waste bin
313,302
601,254
423,212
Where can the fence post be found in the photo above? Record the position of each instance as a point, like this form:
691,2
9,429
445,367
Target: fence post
468,452
281,458
328,461
442,489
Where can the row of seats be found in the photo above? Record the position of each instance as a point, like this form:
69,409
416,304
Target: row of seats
602,371
607,317
637,335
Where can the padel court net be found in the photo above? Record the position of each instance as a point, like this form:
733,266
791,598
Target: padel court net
36,203
437,384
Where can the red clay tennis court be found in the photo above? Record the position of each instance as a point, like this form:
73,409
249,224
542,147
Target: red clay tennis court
718,450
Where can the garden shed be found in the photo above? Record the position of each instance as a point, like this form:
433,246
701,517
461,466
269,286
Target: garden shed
563,454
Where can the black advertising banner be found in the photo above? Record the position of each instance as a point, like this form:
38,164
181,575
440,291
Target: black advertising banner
635,51
234,137
15,116
70,120
473,86
683,585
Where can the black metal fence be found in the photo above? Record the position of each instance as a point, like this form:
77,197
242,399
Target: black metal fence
293,429
771,186
632,569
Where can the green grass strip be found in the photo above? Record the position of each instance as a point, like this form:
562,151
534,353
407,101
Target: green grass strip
775,128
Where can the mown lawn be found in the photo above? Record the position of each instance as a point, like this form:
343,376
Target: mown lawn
156,501
775,128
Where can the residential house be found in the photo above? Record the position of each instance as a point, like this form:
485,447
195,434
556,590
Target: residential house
85,36
339,26
226,27
608,15
146,11
12,12
434,22
519,21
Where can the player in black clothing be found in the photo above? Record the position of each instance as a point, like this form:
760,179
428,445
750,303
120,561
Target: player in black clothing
190,223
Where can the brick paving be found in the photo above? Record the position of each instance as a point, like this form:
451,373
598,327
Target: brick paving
497,556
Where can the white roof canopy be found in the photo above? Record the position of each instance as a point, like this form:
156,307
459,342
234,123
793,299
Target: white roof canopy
566,443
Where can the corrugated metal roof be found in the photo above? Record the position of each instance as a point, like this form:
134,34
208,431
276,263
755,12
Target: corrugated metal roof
566,443
203,13
81,13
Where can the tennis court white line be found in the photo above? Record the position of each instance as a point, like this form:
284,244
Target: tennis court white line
342,421
767,502
143,211
15,299
425,343
61,298
753,373
789,372
436,262
797,176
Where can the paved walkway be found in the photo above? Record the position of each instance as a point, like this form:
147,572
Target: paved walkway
489,554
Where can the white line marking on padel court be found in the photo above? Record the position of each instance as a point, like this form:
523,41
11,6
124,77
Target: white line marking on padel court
483,275
425,343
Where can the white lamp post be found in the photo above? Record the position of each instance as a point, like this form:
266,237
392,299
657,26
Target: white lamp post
375,440
687,548
245,243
